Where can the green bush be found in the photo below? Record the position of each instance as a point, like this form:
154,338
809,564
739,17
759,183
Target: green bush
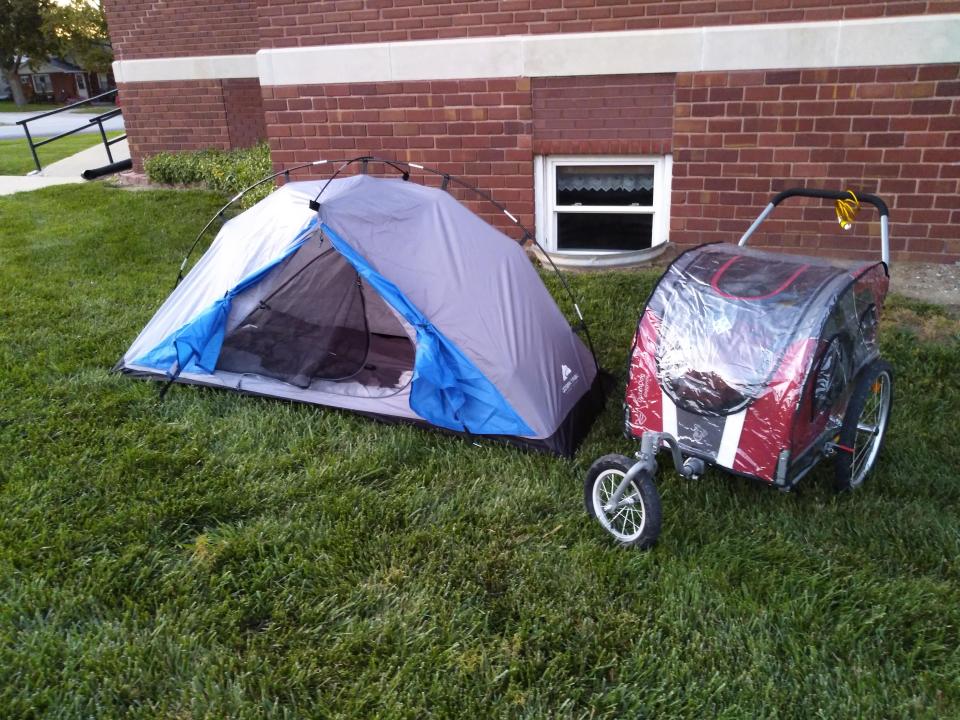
224,171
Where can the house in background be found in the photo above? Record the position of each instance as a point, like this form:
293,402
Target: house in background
58,80
612,127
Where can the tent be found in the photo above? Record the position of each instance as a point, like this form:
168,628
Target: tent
387,298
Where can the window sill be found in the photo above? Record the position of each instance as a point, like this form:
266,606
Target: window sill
602,260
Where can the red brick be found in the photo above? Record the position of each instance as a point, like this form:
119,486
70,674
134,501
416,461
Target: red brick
191,115
736,136
283,23
901,147
623,104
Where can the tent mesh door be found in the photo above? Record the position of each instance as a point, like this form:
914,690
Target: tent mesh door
313,326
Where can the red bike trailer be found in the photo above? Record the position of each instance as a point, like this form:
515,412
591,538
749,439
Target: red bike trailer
756,362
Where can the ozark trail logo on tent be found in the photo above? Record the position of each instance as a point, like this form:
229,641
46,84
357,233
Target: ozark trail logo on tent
569,378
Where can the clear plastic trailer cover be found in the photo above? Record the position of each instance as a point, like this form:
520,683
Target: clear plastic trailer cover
745,355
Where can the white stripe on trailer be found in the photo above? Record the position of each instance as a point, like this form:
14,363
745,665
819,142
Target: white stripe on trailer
732,428
669,415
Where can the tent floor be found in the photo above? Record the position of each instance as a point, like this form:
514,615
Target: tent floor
388,366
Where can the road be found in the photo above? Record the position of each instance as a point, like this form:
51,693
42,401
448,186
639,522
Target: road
54,125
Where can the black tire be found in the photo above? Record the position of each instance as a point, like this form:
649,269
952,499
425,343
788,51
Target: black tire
872,396
603,477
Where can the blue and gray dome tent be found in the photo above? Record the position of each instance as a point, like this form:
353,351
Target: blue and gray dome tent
381,296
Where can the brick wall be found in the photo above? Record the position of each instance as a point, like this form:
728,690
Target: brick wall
742,136
286,23
178,28
737,137
479,130
597,115
243,104
191,115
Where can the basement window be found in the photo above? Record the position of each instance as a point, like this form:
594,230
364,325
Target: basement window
612,208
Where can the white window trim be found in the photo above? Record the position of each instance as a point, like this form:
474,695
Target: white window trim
545,189
41,90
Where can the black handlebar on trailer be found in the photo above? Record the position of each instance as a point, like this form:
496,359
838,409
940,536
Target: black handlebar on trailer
845,195
879,204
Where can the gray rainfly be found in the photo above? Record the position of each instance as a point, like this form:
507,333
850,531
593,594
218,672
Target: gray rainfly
386,298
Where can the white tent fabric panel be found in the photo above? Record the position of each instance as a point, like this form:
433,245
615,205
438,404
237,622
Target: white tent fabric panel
348,396
245,244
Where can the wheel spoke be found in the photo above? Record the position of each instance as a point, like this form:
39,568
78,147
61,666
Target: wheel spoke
614,518
633,522
607,489
867,434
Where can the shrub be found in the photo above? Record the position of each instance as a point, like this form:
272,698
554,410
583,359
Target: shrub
224,171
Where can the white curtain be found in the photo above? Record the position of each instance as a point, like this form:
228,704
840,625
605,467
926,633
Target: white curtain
586,179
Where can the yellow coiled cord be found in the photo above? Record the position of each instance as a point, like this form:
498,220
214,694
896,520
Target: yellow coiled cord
847,210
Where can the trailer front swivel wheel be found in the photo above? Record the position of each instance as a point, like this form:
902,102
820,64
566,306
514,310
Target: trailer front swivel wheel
635,520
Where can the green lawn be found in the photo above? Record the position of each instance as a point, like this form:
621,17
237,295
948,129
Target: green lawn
15,158
8,106
218,556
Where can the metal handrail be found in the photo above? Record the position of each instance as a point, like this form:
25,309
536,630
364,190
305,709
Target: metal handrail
116,112
99,119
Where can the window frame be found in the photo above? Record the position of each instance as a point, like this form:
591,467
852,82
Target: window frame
48,81
545,188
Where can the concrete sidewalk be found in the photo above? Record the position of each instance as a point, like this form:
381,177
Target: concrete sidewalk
93,157
10,184
64,171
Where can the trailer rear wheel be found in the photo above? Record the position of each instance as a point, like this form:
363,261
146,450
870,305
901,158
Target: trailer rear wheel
864,425
635,521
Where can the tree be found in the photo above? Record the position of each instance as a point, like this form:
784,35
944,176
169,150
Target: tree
23,34
79,31
36,29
